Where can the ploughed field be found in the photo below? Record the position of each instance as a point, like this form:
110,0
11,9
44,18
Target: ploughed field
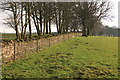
80,57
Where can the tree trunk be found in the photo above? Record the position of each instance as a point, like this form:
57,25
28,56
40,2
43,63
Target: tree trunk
16,24
49,26
84,32
57,26
29,21
36,24
66,28
37,27
59,22
26,22
22,20
88,31
74,29
40,22
17,33
46,27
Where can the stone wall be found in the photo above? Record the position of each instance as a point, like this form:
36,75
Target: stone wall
16,50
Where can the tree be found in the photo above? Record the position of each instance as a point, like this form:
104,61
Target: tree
94,11
14,22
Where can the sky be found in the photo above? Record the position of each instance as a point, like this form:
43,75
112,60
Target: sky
114,22
114,13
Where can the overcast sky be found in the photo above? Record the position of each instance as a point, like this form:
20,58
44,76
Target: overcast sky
114,13
114,22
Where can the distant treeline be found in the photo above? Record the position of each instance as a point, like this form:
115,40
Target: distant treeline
112,31
108,31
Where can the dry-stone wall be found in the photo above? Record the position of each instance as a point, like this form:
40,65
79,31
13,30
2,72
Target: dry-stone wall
14,50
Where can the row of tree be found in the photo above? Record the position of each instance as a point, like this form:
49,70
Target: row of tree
67,16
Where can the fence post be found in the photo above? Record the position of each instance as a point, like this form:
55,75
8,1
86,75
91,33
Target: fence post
14,55
37,45
58,38
49,41
74,34
63,37
68,36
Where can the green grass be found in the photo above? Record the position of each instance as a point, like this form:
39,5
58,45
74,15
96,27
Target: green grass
8,35
80,57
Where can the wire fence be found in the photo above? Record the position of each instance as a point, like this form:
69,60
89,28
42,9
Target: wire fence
18,50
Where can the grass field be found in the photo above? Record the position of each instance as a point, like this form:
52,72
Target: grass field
8,36
80,57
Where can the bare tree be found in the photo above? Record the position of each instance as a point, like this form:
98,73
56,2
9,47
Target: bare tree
13,22
92,11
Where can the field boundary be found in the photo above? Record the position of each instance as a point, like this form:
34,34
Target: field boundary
16,50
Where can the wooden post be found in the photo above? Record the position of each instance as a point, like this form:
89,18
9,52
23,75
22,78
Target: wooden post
68,36
14,55
63,37
58,38
37,45
73,34
49,42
